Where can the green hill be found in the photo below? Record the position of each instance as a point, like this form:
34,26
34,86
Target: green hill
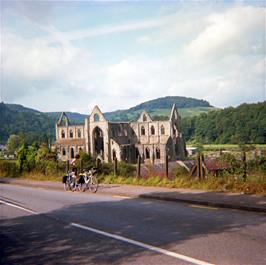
202,123
17,119
160,108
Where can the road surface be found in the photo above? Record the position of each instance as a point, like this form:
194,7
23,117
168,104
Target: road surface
55,227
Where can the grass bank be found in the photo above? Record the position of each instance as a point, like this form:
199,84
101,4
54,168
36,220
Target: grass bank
254,184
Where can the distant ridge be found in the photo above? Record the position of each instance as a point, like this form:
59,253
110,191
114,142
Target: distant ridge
160,108
201,122
167,102
20,108
16,119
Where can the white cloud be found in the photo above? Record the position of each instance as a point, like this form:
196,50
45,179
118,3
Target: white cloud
240,30
30,65
222,60
105,30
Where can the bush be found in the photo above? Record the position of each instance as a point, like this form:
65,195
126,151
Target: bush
179,171
258,164
86,161
9,169
126,170
235,165
123,169
106,169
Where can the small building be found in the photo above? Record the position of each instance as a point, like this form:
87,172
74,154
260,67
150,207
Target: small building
125,141
192,151
3,148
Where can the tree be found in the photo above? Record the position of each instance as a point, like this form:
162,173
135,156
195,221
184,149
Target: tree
13,143
22,157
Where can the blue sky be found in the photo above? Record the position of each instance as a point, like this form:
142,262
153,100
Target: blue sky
72,55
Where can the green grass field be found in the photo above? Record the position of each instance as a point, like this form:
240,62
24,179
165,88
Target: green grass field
225,146
184,112
133,115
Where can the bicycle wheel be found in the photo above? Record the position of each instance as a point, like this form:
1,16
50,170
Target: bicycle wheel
81,184
93,186
73,186
66,186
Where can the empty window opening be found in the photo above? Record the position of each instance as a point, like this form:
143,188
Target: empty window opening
158,153
152,130
147,153
96,117
142,130
72,152
71,134
79,133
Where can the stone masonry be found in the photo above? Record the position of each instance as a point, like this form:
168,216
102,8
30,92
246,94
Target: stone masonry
106,140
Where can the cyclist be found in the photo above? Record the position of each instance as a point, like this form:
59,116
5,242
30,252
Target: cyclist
75,168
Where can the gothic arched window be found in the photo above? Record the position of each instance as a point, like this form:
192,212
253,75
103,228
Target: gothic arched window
63,134
71,152
162,130
79,133
96,117
158,153
142,130
144,117
63,152
147,153
71,134
152,130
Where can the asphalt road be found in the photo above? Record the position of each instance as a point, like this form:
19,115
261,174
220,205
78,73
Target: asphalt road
55,227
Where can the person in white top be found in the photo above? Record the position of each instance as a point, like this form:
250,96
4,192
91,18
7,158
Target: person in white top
74,165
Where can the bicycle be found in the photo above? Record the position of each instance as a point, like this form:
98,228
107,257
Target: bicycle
69,181
90,181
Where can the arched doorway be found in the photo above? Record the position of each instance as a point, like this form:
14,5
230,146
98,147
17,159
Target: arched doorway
98,142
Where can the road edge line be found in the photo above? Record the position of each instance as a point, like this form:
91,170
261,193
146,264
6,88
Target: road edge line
143,245
17,206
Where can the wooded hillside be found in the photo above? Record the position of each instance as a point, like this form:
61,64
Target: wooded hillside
244,124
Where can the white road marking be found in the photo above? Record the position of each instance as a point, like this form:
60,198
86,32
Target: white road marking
19,207
124,239
203,207
121,196
143,245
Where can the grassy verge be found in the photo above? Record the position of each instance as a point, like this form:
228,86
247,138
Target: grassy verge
254,185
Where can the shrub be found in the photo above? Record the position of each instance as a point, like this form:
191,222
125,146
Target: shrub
257,164
126,170
235,165
9,169
179,171
86,161
106,169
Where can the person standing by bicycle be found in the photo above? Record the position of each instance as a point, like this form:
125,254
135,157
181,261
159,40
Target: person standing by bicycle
75,168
